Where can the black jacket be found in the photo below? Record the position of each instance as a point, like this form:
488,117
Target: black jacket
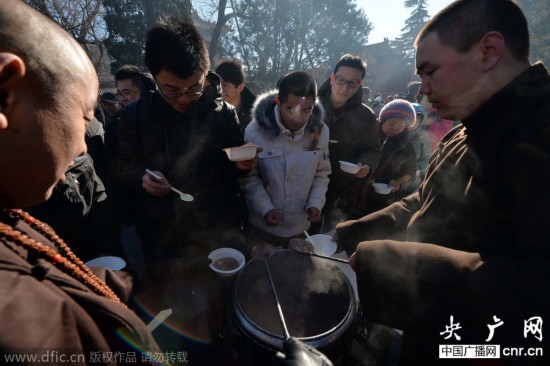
245,109
353,138
398,160
401,154
187,148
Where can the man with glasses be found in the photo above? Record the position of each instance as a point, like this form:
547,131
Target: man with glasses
178,132
128,80
353,137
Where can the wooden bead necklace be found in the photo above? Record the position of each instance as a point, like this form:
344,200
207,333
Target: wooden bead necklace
66,260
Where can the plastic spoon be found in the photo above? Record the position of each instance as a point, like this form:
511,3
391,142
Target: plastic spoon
157,178
184,196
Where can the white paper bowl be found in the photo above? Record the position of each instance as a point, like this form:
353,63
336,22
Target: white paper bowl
323,244
114,263
349,167
382,188
240,153
221,253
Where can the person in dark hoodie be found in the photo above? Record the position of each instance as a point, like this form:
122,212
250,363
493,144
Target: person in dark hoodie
353,137
235,91
286,190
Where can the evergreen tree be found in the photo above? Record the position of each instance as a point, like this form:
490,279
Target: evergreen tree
405,42
127,23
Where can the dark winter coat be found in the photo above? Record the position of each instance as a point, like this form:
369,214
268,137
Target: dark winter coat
401,161
477,232
402,158
244,111
187,148
353,138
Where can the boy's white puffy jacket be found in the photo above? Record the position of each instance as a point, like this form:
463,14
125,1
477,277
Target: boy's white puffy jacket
289,177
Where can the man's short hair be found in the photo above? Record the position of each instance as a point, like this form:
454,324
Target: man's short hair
366,90
464,22
231,71
132,72
353,61
298,83
175,46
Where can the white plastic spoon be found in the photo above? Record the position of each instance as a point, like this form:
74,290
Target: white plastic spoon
184,196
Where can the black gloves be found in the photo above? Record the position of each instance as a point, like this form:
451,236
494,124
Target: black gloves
297,353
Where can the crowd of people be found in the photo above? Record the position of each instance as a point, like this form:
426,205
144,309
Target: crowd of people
460,234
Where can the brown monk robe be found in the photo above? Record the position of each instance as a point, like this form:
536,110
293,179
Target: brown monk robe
472,246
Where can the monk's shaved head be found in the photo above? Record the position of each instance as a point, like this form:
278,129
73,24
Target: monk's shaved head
48,91
52,57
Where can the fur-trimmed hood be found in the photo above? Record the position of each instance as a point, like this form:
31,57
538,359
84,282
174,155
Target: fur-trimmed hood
263,113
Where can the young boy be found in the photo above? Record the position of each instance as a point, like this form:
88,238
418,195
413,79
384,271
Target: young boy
286,191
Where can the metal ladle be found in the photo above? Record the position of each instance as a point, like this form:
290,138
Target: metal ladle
263,252
305,247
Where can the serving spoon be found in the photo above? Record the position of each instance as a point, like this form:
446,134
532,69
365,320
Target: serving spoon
263,252
305,247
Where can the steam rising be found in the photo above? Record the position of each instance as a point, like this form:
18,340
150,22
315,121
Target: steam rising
314,294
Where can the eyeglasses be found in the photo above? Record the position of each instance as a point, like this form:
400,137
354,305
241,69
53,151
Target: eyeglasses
353,84
175,96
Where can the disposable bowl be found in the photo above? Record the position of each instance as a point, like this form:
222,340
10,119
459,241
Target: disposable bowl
323,244
382,188
240,153
349,167
224,253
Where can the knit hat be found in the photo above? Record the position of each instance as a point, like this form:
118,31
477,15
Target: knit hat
398,108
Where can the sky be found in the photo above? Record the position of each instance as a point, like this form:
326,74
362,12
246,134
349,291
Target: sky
388,16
